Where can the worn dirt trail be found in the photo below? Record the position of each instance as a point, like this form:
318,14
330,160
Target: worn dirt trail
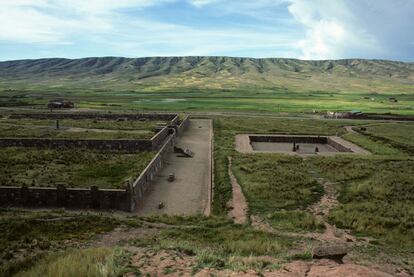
238,203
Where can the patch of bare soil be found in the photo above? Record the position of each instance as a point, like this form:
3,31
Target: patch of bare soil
325,267
238,203
350,130
121,234
172,263
161,263
322,208
242,144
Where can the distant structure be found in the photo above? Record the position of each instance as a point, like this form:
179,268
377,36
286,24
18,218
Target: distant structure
60,104
351,114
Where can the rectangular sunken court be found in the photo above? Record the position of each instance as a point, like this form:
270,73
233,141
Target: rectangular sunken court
296,145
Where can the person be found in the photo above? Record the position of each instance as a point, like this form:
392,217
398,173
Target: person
294,147
316,150
297,147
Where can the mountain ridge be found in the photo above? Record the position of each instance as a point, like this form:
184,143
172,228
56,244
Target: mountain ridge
208,72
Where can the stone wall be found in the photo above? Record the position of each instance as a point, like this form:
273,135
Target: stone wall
338,146
72,198
93,198
115,144
183,125
290,139
158,138
301,139
175,120
170,118
143,182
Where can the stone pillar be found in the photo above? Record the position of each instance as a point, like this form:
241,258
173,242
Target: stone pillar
61,195
24,196
96,203
129,190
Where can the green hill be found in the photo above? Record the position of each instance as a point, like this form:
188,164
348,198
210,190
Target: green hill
208,73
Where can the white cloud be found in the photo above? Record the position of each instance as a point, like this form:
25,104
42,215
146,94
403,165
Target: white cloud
54,21
201,3
332,30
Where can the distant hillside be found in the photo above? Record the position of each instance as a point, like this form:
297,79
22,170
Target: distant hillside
208,73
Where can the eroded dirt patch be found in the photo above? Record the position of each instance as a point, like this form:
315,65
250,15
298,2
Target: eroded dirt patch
238,204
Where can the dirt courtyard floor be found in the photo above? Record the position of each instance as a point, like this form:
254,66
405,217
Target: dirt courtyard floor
188,194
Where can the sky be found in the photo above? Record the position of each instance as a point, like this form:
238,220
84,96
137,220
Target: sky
304,29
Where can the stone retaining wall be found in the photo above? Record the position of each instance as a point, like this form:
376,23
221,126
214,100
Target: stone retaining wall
302,139
292,139
73,198
183,125
116,144
338,146
82,198
143,182
170,118
158,138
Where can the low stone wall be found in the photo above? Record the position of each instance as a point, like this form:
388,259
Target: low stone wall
170,118
72,198
115,144
338,146
290,139
183,125
174,121
158,138
92,198
142,183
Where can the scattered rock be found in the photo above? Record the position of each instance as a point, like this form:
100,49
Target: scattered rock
332,252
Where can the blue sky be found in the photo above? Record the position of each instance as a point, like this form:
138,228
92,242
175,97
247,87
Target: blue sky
305,29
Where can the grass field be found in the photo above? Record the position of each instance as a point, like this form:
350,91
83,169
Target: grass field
376,197
269,100
375,200
279,188
76,129
74,167
27,235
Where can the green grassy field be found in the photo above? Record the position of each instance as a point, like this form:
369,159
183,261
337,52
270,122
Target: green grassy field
30,235
76,129
74,167
376,197
270,100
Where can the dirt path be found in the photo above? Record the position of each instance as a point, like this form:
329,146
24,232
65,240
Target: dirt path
350,130
238,203
188,193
